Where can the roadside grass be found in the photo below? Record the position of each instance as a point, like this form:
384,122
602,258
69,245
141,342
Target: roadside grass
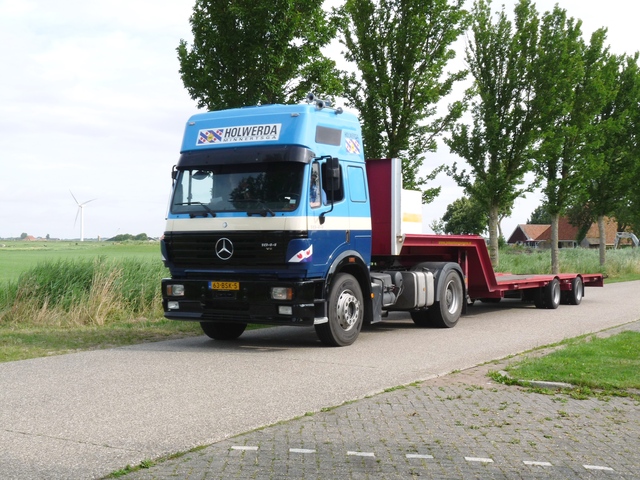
66,305
21,343
596,366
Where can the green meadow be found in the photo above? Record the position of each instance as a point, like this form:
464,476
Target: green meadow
17,256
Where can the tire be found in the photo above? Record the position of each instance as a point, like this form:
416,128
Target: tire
345,311
548,296
574,296
446,312
223,331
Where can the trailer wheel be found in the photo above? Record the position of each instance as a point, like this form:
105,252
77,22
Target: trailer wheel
548,296
446,312
223,331
574,296
346,312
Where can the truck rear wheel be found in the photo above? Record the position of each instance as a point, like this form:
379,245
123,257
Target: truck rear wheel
223,331
446,312
345,311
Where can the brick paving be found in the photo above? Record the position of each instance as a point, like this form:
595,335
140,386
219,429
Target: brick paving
459,426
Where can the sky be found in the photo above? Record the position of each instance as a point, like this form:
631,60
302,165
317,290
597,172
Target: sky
91,103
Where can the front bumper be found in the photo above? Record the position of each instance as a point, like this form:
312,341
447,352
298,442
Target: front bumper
250,303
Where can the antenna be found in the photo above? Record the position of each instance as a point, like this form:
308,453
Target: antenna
81,213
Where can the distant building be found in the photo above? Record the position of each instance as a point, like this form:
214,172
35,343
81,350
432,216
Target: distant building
539,236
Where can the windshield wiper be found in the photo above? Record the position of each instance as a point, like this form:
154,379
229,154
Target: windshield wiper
263,211
203,205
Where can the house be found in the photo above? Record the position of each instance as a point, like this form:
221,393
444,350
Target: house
592,238
539,236
529,234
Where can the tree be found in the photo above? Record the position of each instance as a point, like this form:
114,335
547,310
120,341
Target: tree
565,102
464,216
23,235
610,158
540,216
497,147
400,49
249,53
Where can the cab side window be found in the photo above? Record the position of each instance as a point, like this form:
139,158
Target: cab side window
315,195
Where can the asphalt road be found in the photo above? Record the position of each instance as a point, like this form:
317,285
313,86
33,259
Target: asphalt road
85,415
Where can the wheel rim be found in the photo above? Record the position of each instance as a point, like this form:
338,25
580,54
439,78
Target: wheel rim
348,310
578,291
452,299
556,293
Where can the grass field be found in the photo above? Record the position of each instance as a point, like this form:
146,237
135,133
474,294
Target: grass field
19,256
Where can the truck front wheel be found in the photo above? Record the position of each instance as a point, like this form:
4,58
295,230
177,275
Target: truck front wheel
223,331
446,312
345,312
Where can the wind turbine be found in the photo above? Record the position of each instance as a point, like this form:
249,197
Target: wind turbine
81,213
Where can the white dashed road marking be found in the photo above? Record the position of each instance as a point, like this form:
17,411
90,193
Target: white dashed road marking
478,459
537,464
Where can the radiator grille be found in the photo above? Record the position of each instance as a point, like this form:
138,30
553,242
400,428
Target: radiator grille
250,248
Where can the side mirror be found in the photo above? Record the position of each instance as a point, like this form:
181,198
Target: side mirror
174,173
333,173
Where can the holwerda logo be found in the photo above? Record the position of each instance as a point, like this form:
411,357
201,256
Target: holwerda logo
224,249
239,134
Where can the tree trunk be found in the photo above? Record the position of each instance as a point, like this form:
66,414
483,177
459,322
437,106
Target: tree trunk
555,268
603,239
493,235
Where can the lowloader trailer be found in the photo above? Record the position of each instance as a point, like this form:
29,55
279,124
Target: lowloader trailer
276,218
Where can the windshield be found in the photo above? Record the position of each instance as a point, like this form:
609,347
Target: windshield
262,188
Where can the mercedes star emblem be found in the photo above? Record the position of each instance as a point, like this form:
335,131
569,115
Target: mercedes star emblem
224,249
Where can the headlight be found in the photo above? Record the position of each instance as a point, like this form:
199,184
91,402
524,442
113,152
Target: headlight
281,293
175,290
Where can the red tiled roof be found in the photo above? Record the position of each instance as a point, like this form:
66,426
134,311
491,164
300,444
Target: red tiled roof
526,232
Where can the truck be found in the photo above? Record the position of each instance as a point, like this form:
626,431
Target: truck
276,218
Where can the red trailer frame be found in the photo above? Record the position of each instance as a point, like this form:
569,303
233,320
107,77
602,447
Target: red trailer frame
470,252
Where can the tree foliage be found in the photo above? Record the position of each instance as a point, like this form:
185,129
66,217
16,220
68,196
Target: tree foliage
497,146
123,237
400,49
250,53
565,102
465,216
610,162
540,216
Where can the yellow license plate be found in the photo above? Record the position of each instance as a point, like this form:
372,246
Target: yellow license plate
224,285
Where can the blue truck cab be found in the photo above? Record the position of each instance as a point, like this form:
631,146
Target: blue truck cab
269,222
